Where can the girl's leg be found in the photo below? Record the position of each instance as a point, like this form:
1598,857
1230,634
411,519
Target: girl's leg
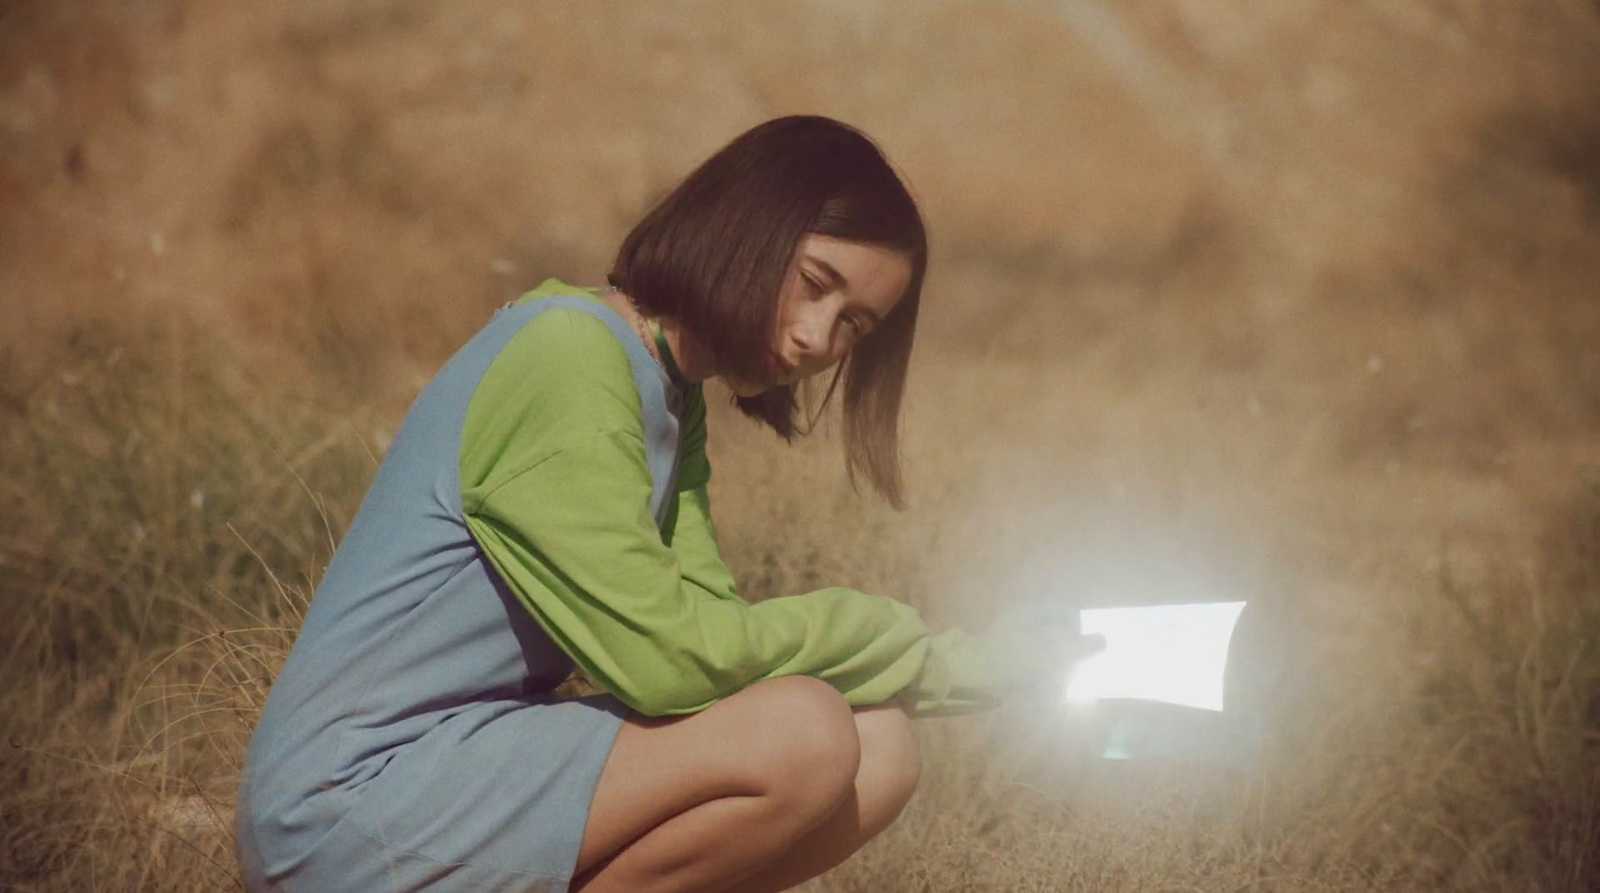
890,766
763,781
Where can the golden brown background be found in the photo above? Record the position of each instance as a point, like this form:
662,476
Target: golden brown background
1295,302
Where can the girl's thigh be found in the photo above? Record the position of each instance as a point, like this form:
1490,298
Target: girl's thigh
495,798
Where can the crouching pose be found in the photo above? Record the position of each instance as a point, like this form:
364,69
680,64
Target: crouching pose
544,505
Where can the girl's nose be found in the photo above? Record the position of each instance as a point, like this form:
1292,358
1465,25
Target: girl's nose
809,335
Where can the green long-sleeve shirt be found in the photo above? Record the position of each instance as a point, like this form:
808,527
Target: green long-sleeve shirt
556,488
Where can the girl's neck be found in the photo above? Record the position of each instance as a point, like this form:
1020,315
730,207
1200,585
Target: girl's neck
694,360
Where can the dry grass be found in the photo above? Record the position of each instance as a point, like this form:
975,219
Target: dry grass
1294,303
163,524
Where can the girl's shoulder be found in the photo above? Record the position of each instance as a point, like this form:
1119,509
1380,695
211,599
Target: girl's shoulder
564,364
559,380
569,333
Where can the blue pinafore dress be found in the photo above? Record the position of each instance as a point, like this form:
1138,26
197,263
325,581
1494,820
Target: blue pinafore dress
412,740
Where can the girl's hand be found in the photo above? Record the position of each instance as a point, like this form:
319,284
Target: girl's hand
1029,647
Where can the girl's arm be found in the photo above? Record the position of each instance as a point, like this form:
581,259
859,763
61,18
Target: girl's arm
556,491
689,531
950,681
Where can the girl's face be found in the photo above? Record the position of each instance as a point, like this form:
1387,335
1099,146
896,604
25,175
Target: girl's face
836,291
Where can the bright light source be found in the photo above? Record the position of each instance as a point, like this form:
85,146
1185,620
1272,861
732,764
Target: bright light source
1171,653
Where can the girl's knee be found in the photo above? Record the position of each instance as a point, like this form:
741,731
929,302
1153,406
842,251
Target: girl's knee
808,749
891,761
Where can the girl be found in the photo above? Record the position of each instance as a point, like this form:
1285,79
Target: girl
544,505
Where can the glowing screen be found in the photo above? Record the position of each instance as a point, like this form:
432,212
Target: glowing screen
1171,653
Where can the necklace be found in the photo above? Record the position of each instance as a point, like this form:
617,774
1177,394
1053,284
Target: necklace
655,340
640,327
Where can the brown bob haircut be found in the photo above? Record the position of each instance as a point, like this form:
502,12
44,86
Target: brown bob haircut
714,253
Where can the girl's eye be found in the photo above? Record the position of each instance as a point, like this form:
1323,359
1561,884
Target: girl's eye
813,285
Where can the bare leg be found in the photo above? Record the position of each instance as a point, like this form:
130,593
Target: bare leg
702,801
890,767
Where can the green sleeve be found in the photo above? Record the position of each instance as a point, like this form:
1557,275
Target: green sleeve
556,491
689,531
941,688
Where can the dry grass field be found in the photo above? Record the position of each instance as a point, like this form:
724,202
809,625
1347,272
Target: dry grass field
1293,302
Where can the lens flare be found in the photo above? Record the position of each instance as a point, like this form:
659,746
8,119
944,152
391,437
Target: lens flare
1171,653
